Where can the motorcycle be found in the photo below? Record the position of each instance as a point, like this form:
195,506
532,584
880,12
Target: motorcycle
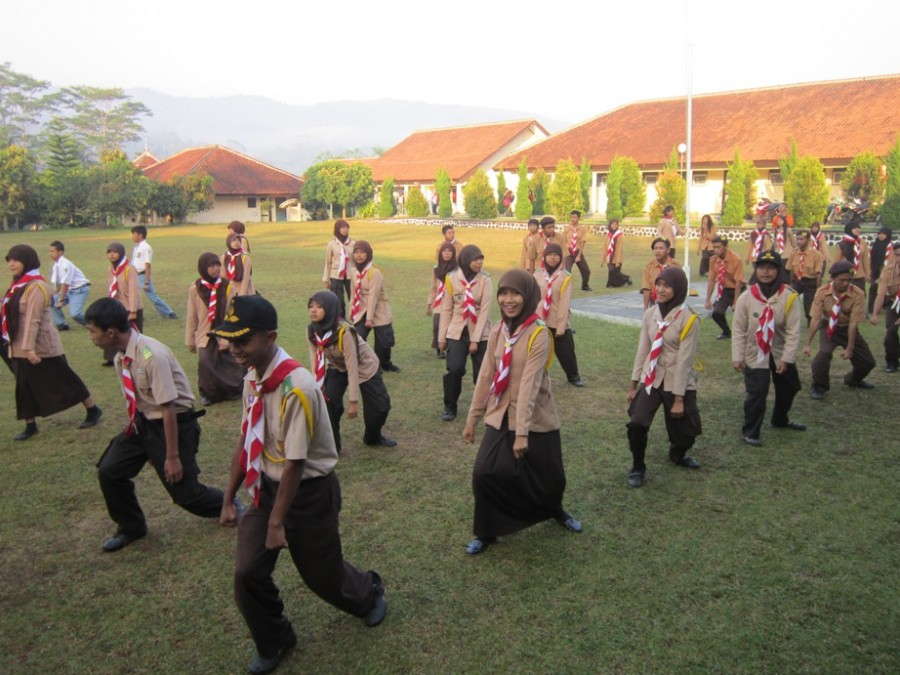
835,208
765,208
854,212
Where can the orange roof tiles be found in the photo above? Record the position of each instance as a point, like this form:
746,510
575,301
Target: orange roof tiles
232,172
833,120
460,150
145,159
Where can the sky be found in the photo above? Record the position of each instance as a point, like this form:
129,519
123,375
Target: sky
567,60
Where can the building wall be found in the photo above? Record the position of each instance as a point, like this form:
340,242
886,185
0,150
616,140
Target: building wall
227,208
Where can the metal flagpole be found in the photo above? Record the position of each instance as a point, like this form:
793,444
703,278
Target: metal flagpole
689,177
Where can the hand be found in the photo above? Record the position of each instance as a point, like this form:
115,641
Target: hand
192,349
806,350
223,345
59,303
781,368
708,305
874,320
442,345
132,316
738,366
520,446
473,347
275,538
631,395
677,410
560,332
353,410
173,470
32,357
846,354
228,514
369,323
147,285
469,433
326,285
428,311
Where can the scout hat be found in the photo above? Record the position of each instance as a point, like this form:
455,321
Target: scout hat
770,258
247,313
841,267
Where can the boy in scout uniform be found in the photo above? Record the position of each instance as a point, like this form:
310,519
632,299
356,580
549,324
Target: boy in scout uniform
764,346
661,260
889,298
726,277
805,265
574,241
162,428
285,456
838,309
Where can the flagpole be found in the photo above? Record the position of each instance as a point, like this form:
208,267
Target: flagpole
689,176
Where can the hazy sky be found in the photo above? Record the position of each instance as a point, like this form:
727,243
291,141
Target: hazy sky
567,60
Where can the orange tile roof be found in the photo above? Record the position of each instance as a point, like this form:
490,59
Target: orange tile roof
833,121
460,150
232,172
145,159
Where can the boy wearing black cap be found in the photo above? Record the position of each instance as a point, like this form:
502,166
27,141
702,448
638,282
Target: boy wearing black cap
285,456
766,337
889,298
838,309
575,239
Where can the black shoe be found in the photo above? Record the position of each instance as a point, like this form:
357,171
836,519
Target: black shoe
63,326
121,539
107,364
816,393
384,441
636,478
688,462
379,608
587,288
577,382
260,665
391,368
93,416
29,431
205,400
796,426
479,545
755,442
449,414
629,282
862,384
723,336
890,368
173,315
568,522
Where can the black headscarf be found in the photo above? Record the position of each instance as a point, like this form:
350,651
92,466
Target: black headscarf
524,284
26,255
330,322
879,248
552,248
338,224
236,258
364,246
469,254
444,267
677,280
847,247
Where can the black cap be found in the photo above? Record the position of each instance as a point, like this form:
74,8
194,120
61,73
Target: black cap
769,257
247,314
841,267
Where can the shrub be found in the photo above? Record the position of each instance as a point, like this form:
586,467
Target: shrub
626,192
735,192
416,204
671,189
565,190
805,191
863,178
523,207
501,192
367,210
586,179
540,185
442,185
614,191
890,210
786,164
480,199
386,207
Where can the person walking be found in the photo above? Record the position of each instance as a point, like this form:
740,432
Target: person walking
142,259
71,286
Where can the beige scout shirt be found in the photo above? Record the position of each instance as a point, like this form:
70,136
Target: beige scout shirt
889,282
288,437
788,328
333,258
129,293
245,285
652,270
529,253
196,325
35,330
373,301
358,361
822,243
751,244
665,229
734,272
539,243
436,286
674,369
853,307
865,269
560,297
158,377
580,234
618,249
812,263
528,401
704,241
451,325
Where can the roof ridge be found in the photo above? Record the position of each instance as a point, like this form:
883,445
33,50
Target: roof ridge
255,161
523,120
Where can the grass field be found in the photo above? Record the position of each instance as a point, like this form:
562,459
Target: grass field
775,559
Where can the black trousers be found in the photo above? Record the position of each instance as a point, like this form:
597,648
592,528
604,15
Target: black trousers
806,288
891,337
681,430
457,353
861,359
756,384
314,542
583,268
705,255
616,278
376,404
721,306
124,458
341,288
384,341
564,347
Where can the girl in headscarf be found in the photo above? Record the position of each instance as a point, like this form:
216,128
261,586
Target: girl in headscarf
613,256
446,263
30,346
369,306
465,323
663,375
338,262
240,229
219,377
518,479
854,249
341,359
704,243
882,255
122,286
556,293
818,241
236,265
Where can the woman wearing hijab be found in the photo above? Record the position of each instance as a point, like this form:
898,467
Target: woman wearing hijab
240,229
518,479
855,250
663,375
465,323
555,284
338,253
237,266
341,359
615,247
30,346
704,243
219,377
369,306
122,286
446,263
882,255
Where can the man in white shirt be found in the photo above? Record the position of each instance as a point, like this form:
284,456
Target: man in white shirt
72,288
142,258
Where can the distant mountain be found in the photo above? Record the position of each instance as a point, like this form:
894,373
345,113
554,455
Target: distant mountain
290,137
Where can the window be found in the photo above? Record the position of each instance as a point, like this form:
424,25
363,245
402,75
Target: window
775,178
251,202
650,178
699,177
837,176
601,179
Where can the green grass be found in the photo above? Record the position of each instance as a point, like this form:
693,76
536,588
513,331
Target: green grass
777,559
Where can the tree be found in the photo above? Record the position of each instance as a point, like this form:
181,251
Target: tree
323,186
182,196
751,175
523,208
386,207
118,188
614,208
540,185
626,193
501,192
890,210
805,191
863,178
671,190
587,178
102,119
360,186
674,161
786,164
442,185
416,204
735,190
480,199
16,182
22,103
565,190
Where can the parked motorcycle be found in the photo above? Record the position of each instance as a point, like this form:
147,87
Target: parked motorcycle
854,212
765,208
835,208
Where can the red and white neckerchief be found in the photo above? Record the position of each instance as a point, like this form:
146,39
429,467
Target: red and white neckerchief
321,343
254,426
779,240
548,295
573,242
656,349
766,330
855,241
230,267
469,309
345,258
611,246
213,297
835,312
130,396
720,279
357,293
758,244
24,280
501,377
117,270
815,241
801,254
439,296
895,306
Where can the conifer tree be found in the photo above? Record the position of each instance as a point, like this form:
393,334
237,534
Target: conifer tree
501,191
523,208
416,204
806,193
386,207
586,179
614,208
890,210
480,199
565,190
540,184
442,184
735,190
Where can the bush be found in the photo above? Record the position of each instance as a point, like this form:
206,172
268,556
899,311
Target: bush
863,178
586,179
806,193
626,192
523,207
735,192
565,190
890,212
671,189
614,208
416,204
367,210
501,192
480,199
386,207
540,185
442,185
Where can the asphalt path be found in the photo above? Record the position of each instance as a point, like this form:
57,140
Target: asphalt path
626,307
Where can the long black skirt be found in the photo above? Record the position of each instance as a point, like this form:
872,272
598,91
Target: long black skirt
219,377
46,388
512,494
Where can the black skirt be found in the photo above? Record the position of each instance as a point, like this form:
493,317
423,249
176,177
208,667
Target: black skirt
46,388
512,494
219,377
